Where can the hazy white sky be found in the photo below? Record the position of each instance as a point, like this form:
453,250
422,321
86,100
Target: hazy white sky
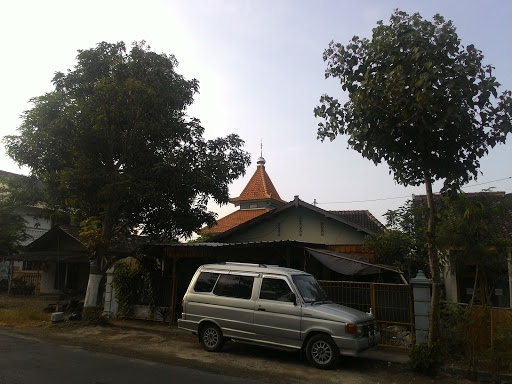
261,73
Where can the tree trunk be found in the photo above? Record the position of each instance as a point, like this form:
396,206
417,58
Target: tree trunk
96,274
91,296
435,272
97,266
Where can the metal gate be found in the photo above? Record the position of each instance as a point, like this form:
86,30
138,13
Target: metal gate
391,304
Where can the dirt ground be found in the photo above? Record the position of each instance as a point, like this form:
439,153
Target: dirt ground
163,343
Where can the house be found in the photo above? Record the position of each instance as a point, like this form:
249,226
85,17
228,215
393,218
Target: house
258,197
54,263
264,216
266,229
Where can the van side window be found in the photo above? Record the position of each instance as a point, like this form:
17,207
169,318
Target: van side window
206,281
275,289
234,286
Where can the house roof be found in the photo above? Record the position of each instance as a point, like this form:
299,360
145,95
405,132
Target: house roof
355,219
362,218
6,174
259,187
234,219
63,243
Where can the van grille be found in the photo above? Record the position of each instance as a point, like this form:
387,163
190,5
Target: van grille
368,328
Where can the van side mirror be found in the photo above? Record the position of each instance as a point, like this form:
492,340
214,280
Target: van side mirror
293,298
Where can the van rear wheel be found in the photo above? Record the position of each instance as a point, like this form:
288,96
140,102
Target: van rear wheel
211,338
322,352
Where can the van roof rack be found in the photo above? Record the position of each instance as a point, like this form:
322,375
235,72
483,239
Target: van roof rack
248,264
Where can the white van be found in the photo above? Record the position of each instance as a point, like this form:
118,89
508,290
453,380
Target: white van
275,307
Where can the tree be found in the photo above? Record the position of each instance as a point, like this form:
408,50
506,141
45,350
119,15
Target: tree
12,225
15,192
114,147
403,245
421,102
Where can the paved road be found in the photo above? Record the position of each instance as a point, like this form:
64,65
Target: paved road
25,361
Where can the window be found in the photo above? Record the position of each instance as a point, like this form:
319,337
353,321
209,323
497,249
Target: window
234,286
275,289
205,282
309,288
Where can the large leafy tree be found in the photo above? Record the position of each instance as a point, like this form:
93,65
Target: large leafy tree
421,102
115,148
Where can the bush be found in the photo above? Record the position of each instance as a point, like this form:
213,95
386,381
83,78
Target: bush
136,286
95,316
424,359
21,287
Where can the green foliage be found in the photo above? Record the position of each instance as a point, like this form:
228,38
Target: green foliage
112,141
90,232
468,226
418,100
21,287
203,238
12,226
425,359
97,317
12,223
403,245
136,285
478,338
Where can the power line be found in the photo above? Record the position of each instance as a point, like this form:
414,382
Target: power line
405,197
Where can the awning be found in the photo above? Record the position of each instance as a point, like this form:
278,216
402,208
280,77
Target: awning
350,265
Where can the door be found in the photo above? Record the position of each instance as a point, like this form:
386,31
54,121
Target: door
276,317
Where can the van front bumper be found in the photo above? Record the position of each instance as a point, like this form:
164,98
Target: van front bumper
351,346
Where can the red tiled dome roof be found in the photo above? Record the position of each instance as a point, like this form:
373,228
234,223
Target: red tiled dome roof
260,187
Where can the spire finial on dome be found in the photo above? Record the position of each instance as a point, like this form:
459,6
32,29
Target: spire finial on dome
261,160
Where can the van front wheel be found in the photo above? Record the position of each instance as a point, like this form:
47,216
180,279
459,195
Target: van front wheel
211,338
322,352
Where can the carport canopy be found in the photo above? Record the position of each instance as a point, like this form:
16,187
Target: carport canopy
350,265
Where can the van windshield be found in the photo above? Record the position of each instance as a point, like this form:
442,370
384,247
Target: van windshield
310,289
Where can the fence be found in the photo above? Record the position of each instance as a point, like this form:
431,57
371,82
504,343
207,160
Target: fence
391,304
30,279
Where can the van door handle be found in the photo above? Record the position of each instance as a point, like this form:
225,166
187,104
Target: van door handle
261,309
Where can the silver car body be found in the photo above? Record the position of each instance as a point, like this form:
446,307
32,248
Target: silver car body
269,322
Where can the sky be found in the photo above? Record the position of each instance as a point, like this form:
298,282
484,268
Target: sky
261,73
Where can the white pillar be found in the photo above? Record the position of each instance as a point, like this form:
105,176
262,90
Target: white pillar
421,294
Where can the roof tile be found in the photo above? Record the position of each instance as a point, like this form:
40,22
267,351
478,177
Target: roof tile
234,219
362,218
260,187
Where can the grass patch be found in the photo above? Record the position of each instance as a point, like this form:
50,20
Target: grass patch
24,311
22,317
